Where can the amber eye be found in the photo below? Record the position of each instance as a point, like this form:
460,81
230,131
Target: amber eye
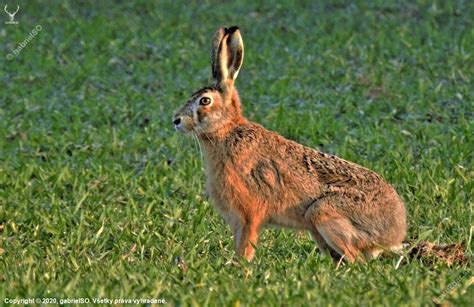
204,101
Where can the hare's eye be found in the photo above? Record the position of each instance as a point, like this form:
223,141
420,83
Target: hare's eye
204,101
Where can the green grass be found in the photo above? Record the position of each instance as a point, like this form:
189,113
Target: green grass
99,195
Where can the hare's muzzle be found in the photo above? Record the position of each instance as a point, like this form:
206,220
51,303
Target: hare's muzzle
183,123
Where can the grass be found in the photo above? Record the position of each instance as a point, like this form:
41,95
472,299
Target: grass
99,197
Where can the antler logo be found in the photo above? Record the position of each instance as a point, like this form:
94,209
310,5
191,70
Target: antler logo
11,15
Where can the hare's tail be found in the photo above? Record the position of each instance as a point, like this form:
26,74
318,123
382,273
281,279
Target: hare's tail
448,253
432,253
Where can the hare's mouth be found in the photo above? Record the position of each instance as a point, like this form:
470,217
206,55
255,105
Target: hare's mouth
181,127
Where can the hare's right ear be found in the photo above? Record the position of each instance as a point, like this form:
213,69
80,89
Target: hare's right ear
227,55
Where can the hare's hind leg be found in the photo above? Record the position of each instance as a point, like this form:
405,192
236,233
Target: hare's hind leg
335,228
339,234
323,246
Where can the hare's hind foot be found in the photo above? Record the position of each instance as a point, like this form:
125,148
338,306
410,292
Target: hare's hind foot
373,253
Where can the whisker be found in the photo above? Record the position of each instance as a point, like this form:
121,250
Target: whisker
207,136
194,140
198,144
193,136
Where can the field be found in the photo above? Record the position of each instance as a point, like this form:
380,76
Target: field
101,198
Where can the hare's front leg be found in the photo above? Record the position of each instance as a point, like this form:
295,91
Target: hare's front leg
241,234
246,238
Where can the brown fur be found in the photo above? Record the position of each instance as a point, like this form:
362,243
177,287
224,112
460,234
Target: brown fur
256,177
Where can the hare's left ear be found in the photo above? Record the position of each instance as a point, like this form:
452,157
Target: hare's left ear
227,55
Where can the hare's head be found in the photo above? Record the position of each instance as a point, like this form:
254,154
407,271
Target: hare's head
213,108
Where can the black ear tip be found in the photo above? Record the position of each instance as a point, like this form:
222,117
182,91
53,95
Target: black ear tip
231,29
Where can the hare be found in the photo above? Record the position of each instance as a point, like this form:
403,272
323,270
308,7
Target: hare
256,177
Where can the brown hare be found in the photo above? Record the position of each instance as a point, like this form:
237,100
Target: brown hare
257,177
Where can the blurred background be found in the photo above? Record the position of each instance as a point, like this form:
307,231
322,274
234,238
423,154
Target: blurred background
100,197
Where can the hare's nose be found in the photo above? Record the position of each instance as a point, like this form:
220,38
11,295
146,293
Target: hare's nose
177,121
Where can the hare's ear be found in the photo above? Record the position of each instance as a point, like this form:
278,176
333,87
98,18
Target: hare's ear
235,52
227,58
216,43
